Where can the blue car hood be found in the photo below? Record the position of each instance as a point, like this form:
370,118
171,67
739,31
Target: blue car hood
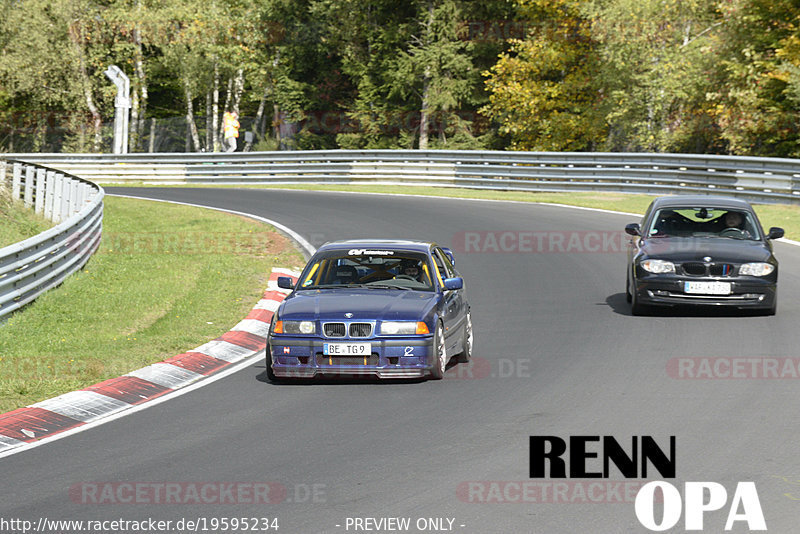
364,304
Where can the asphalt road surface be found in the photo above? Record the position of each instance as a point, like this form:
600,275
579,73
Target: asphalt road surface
557,353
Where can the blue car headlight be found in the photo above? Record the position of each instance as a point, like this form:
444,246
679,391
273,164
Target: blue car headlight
295,327
394,328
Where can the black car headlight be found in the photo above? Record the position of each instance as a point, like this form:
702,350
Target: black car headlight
658,266
756,269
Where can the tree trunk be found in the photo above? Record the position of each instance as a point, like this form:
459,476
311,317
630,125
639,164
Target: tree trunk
97,119
152,146
138,122
133,139
259,115
424,118
190,118
209,121
215,110
238,89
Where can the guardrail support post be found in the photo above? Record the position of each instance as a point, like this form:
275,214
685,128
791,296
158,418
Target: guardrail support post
16,181
30,177
58,193
49,193
39,192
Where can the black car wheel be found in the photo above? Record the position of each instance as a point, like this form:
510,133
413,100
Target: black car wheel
774,308
466,354
628,296
440,353
637,308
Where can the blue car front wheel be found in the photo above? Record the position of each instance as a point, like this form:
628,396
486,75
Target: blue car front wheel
439,353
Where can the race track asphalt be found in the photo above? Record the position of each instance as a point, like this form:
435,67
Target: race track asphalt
557,353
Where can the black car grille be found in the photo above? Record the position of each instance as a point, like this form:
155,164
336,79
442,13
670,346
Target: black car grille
721,269
360,329
694,269
372,359
334,329
712,269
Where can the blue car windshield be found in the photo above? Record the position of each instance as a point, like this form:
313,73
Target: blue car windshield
704,222
390,269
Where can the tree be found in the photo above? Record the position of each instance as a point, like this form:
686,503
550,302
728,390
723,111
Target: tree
755,84
544,92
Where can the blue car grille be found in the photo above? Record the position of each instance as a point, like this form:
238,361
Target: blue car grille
360,329
357,330
334,329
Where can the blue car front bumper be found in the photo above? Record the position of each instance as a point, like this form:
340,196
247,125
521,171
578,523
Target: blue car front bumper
304,357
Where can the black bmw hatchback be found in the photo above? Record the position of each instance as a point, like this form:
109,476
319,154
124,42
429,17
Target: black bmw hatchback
701,250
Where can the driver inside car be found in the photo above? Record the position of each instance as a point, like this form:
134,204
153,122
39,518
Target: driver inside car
409,269
733,220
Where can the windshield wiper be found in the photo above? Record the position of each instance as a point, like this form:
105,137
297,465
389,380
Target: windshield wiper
386,286
335,286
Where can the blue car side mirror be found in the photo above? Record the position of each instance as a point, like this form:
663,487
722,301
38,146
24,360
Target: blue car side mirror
284,282
453,283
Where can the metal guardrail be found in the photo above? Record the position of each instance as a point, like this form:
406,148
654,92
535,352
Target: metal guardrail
759,179
31,267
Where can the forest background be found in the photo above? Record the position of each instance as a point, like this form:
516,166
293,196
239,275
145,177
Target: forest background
690,76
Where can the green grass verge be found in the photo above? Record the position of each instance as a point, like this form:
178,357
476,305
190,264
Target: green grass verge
785,216
17,222
166,279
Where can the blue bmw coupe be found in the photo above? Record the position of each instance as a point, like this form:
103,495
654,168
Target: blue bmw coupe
385,308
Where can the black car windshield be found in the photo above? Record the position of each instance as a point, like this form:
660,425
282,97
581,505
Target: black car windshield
704,222
379,269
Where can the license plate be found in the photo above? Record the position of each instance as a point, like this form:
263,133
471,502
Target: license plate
346,349
707,288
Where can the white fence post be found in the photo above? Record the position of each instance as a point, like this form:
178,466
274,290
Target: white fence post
66,186
16,181
49,193
30,174
39,192
58,193
75,205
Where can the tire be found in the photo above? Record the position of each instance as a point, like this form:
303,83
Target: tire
440,351
270,373
637,308
466,353
628,296
774,309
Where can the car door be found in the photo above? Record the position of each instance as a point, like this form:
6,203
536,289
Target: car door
454,312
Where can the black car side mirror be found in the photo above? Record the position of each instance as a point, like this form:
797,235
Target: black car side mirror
284,282
775,233
633,229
